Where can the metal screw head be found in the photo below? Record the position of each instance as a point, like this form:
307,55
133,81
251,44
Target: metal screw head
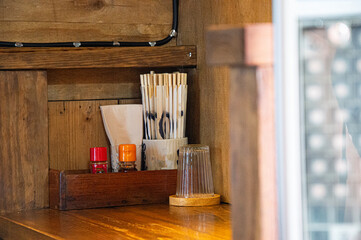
18,44
189,54
76,44
173,33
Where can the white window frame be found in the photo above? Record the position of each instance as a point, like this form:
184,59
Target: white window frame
286,14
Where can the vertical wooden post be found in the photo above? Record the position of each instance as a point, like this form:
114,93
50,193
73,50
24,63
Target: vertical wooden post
248,52
24,140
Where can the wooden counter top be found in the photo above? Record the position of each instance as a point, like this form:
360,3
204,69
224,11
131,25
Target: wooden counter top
158,221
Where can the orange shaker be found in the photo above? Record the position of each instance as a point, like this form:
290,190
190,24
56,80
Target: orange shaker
127,157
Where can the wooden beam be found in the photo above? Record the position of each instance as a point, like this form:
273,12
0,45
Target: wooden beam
24,141
248,53
102,57
235,45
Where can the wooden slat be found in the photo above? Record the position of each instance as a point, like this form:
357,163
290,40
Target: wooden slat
84,20
244,137
130,101
54,188
253,157
133,222
102,11
23,31
93,91
75,127
53,58
100,83
24,141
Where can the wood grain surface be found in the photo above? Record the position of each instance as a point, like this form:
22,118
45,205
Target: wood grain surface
85,20
132,222
253,154
209,98
24,141
101,83
244,152
240,45
85,84
74,190
75,127
252,127
97,57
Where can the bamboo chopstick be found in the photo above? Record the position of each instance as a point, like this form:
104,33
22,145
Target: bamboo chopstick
164,98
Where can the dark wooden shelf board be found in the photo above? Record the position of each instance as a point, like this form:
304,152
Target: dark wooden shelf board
102,57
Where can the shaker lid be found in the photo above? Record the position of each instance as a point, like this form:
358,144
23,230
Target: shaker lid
127,152
98,154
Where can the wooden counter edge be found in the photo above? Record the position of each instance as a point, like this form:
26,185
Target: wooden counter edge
10,229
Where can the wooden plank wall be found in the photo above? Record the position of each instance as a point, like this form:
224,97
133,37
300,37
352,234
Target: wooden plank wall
128,20
209,93
84,20
25,134
75,122
80,84
24,141
75,127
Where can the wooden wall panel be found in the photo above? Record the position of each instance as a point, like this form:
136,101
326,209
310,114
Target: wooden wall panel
77,84
75,127
24,141
103,83
211,98
84,20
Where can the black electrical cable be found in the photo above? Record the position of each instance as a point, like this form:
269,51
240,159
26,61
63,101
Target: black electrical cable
163,41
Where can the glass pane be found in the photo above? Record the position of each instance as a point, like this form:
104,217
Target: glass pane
330,73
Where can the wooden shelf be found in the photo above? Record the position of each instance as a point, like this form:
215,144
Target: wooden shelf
156,221
101,57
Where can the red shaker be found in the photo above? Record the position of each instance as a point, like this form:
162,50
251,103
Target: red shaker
98,160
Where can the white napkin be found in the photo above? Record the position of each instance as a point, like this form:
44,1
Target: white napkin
123,125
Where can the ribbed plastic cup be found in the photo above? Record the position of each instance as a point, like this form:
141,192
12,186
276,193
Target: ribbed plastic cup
194,179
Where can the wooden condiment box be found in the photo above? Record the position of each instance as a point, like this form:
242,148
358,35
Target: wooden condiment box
79,189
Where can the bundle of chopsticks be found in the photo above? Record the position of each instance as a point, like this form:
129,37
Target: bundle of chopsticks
164,98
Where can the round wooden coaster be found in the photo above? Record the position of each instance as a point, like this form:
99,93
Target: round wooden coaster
194,202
